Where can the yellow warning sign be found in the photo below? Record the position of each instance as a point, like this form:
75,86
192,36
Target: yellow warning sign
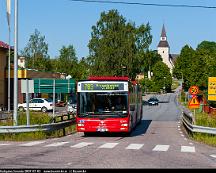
194,103
212,88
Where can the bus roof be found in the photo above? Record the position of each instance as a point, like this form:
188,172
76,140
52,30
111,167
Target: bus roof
109,78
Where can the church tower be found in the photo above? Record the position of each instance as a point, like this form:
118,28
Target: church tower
164,49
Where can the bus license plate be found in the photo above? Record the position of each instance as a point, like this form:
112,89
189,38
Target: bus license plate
101,130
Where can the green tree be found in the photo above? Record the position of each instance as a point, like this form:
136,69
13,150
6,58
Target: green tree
183,65
36,52
195,65
116,44
207,50
67,61
83,70
149,59
162,76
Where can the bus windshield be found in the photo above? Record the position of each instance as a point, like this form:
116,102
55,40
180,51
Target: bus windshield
102,103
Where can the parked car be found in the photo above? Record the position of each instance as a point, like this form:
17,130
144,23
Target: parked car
153,101
37,104
58,103
71,107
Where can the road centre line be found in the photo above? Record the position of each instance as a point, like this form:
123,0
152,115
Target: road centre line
81,144
213,155
108,145
161,148
29,144
56,144
4,144
134,146
187,149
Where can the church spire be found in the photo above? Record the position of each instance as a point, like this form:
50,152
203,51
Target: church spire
163,39
163,32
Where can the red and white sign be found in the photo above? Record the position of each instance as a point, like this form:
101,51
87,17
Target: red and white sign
194,103
194,90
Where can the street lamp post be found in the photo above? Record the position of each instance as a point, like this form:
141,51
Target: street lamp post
15,63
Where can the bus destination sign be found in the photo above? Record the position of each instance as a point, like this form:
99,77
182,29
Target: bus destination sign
102,86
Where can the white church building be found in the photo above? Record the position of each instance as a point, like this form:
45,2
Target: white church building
164,50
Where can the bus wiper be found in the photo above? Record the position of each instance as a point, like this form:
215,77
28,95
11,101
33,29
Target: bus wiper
120,114
86,114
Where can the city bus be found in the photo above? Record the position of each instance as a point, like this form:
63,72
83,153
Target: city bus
108,104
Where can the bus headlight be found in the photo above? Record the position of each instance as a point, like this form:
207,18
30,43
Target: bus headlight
80,124
124,125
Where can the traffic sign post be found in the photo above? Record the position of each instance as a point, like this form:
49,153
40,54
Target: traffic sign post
194,102
194,90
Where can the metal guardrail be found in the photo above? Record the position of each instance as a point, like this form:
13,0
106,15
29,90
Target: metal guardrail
188,121
39,127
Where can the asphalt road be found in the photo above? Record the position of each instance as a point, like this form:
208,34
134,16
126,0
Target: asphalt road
158,142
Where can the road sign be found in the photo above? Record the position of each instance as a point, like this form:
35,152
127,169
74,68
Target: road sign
212,88
194,90
194,103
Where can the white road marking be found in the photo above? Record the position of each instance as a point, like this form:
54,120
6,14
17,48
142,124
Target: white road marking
56,144
180,132
187,149
213,155
4,144
29,144
191,143
178,126
182,135
161,148
185,139
134,146
82,144
108,145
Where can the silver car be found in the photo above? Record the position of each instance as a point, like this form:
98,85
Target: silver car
71,107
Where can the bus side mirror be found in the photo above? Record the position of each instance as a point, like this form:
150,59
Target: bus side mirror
132,107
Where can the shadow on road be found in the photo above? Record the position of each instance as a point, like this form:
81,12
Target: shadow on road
163,102
141,128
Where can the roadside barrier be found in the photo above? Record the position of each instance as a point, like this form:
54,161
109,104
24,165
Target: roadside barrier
57,123
188,121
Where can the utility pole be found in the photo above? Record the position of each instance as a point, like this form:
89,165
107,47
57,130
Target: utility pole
15,62
164,84
9,51
9,54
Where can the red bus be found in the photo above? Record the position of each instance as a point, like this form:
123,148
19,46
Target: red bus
108,104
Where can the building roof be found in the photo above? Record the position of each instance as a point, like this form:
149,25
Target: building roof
4,45
163,44
173,57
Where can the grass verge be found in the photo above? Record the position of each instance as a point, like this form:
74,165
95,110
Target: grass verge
35,118
204,119
204,138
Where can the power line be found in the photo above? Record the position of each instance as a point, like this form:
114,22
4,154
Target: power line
146,4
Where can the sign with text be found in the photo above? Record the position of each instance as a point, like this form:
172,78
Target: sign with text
102,86
212,88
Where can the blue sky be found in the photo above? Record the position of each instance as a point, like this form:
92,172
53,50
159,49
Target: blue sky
64,22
